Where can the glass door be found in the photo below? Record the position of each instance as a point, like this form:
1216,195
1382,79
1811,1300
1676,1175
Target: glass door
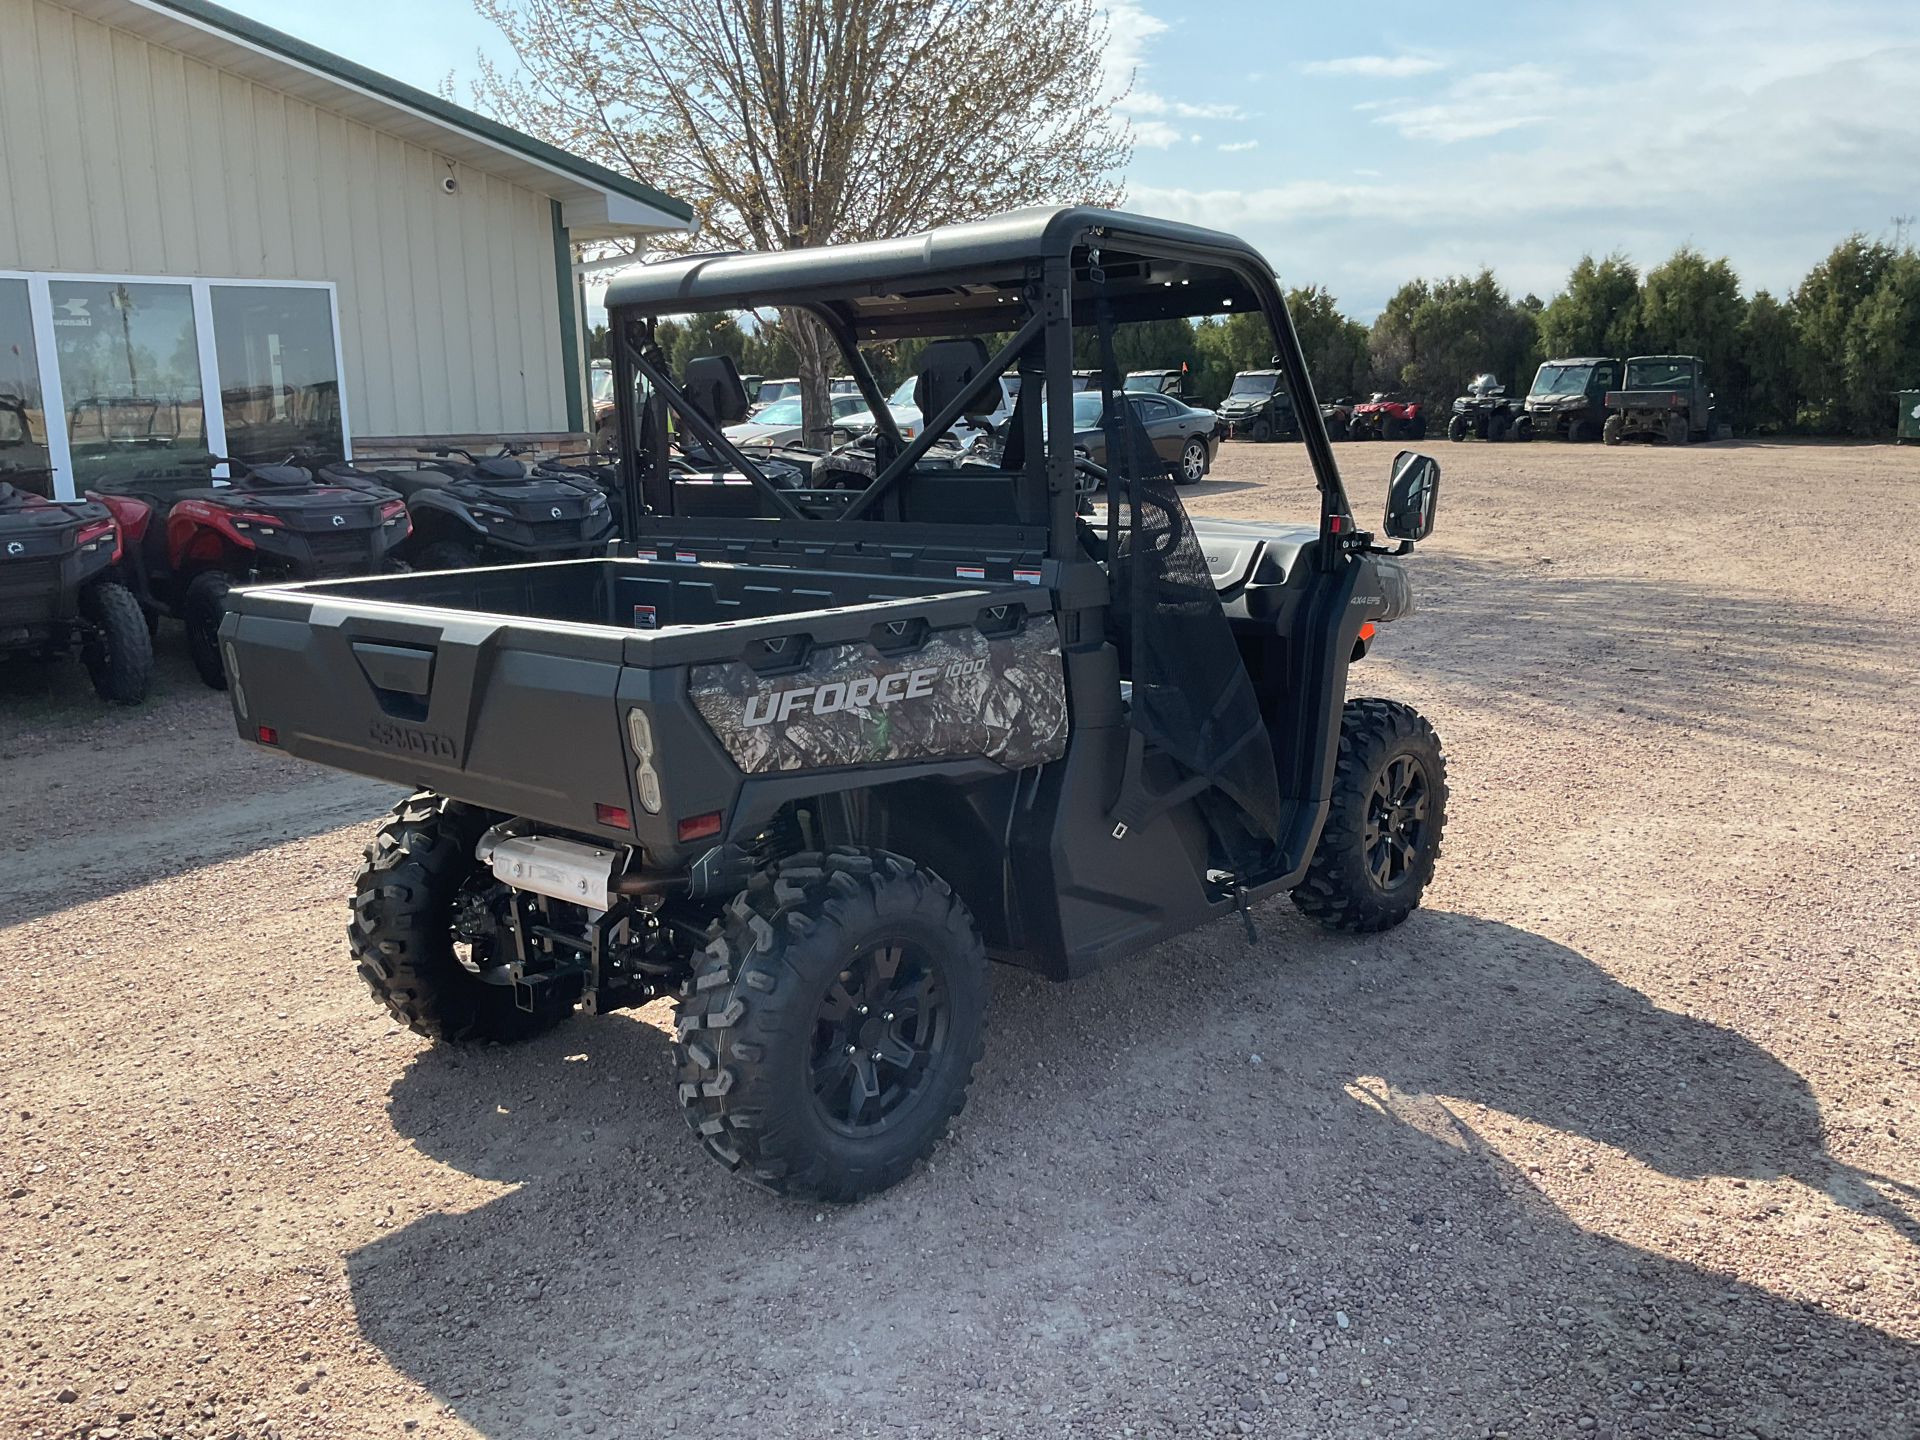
25,462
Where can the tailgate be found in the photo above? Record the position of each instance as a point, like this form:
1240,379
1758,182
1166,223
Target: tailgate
518,717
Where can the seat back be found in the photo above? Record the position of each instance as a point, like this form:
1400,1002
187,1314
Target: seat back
713,385
947,367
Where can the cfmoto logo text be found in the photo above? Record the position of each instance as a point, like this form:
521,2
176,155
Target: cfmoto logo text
14,547
339,520
555,512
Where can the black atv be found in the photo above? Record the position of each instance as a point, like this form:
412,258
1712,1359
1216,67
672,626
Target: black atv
190,537
493,510
1487,412
58,592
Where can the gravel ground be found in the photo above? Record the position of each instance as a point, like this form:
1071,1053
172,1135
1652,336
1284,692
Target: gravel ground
1614,1138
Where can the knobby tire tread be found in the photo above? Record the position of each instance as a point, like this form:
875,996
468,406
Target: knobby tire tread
1338,891
749,1012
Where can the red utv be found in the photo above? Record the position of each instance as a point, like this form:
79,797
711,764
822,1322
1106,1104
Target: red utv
1382,417
57,592
190,537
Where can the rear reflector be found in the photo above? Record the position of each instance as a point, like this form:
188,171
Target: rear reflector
700,826
615,815
1366,631
269,735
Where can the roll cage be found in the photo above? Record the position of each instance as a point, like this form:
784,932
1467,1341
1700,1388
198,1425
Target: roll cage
1032,276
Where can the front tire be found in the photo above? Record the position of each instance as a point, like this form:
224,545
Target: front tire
449,555
831,1030
202,609
1382,836
414,898
119,653
1457,428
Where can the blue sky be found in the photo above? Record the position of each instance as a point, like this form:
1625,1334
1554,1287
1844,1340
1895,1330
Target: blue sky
1362,146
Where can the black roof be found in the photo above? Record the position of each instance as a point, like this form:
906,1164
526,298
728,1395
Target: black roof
1585,360
969,277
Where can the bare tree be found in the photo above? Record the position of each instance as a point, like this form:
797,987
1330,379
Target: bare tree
791,123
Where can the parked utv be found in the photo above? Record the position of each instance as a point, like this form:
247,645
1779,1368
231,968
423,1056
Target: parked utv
1665,398
1384,417
1486,412
805,759
1158,382
493,510
1259,408
189,537
1569,399
58,593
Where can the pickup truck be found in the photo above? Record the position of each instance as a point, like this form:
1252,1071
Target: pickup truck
804,757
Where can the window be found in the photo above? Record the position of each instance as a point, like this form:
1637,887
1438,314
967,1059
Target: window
24,460
279,384
107,377
129,361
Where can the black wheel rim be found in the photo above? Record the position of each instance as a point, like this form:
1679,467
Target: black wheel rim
477,928
1396,830
880,1028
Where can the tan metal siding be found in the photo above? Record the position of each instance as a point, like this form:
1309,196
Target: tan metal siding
121,156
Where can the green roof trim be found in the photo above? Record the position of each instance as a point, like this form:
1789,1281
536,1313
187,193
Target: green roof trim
299,51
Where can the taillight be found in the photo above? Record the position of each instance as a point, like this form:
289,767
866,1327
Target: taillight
269,735
395,513
699,827
614,815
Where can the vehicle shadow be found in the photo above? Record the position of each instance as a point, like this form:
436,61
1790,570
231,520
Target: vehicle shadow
1128,1192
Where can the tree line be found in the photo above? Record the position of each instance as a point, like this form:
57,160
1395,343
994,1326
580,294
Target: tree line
1823,360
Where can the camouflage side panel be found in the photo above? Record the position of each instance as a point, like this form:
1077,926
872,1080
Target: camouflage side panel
962,694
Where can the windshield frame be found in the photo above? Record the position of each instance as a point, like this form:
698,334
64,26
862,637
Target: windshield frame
1561,372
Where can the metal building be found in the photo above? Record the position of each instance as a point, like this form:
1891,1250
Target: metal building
216,238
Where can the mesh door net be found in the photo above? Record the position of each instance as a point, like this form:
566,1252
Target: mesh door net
1192,697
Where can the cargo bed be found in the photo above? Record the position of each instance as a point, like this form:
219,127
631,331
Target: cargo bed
507,687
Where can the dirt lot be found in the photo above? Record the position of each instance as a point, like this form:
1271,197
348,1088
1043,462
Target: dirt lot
1614,1138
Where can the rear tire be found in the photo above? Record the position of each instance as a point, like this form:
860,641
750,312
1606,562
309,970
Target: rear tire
1193,461
1580,432
119,654
1611,431
1392,427
1382,836
776,1055
1417,427
1260,433
1677,432
403,931
202,609
1523,431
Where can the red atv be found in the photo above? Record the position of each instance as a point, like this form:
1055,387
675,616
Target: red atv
1384,418
57,592
190,537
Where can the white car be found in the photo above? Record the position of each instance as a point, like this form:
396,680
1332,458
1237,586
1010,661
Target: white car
907,415
779,423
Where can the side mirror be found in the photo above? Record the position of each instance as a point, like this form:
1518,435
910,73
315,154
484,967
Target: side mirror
1411,496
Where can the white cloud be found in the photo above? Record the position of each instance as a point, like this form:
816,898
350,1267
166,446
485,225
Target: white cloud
1480,105
1772,176
1239,145
1156,133
1393,67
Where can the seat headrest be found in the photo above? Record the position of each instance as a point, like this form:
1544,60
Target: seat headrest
713,385
946,369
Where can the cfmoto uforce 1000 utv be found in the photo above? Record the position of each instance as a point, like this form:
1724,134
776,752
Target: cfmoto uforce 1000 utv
806,759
